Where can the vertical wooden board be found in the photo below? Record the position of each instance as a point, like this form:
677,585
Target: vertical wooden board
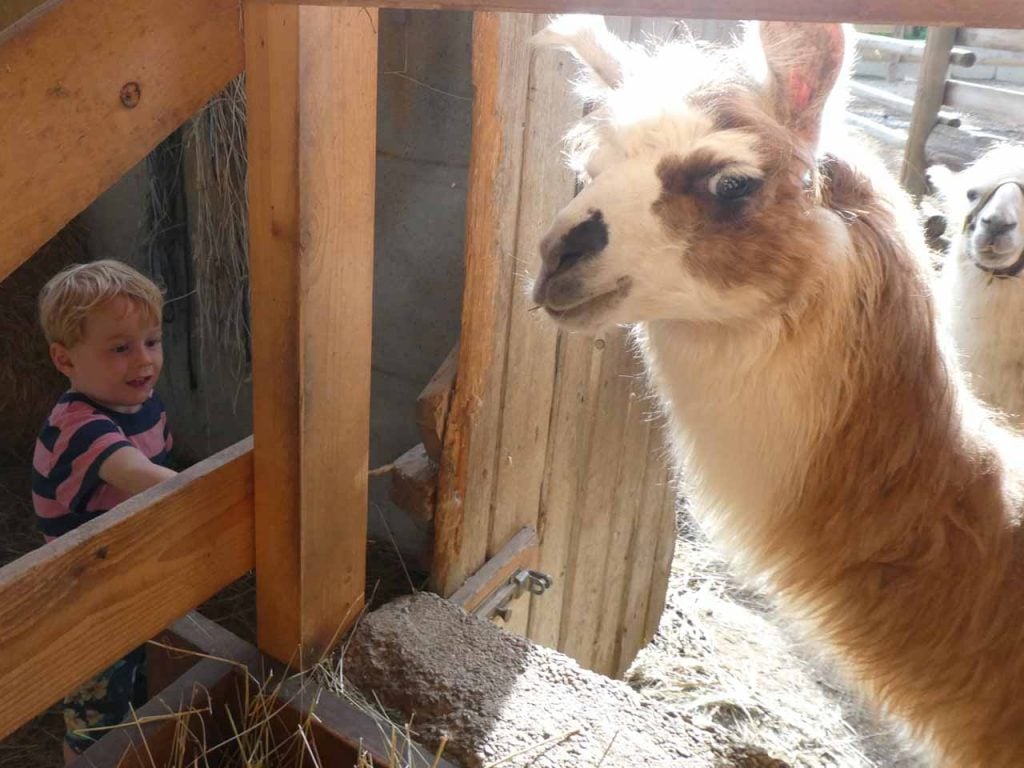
632,630
595,507
547,185
665,512
311,90
467,473
626,518
570,425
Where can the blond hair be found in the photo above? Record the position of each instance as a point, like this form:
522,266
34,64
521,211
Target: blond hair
66,301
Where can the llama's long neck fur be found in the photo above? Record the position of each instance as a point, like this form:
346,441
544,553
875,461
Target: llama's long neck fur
838,454
987,322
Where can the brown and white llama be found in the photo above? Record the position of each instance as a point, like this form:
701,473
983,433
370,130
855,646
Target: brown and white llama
982,280
782,296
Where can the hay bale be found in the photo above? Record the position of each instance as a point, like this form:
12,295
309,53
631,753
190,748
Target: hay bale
29,384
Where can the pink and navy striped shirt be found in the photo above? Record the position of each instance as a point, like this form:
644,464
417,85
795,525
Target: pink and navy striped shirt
79,435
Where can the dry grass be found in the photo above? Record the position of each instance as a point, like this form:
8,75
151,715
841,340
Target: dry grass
215,142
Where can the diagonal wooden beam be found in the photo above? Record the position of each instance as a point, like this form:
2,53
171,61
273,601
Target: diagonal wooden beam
87,88
311,88
72,607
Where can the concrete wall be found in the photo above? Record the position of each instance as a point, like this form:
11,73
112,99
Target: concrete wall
424,107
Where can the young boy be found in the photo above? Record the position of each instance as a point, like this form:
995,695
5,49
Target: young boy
105,440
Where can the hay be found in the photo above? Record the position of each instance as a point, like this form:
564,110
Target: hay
29,384
215,146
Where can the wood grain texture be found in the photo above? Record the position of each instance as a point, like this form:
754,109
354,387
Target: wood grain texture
70,608
1003,39
977,97
547,184
928,101
432,404
311,87
65,136
519,552
595,509
467,473
958,13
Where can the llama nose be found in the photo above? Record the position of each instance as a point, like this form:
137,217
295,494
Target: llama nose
583,241
997,225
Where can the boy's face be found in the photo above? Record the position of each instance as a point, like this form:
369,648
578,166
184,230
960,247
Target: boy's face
118,359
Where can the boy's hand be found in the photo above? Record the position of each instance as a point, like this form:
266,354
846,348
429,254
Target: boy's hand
128,470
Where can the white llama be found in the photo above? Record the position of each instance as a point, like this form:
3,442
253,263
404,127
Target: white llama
982,282
783,300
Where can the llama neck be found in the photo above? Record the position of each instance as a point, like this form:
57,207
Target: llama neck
793,438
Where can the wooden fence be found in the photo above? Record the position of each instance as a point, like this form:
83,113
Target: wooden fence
939,98
292,505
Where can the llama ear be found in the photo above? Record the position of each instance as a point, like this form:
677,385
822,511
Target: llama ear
588,39
804,62
943,181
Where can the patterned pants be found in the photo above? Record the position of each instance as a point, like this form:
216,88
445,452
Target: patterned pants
105,700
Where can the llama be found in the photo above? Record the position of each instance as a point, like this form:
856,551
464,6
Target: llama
783,304
982,284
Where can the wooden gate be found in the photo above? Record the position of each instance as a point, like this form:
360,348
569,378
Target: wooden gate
547,430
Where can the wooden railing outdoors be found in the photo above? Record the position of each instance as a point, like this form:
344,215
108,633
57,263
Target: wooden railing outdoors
87,88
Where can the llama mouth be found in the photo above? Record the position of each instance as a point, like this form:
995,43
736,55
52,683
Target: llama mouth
593,305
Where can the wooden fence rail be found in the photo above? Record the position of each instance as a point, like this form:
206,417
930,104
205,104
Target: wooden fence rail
70,608
87,89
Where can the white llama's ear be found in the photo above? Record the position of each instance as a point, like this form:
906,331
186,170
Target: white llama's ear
944,182
804,62
588,39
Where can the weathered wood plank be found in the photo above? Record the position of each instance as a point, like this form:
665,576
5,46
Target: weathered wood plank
65,132
1004,39
975,97
546,185
626,520
414,483
647,552
518,552
471,439
957,13
927,102
120,579
595,505
665,510
432,404
311,87
571,425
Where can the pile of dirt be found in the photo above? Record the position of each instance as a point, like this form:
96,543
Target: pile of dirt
720,685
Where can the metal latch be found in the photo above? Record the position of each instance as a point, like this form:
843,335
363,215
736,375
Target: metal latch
498,603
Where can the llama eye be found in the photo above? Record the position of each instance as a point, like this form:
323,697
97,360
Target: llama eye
734,187
972,195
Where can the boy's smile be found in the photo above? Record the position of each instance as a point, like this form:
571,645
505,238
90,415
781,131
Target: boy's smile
118,359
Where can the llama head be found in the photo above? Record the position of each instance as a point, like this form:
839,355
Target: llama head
700,163
985,202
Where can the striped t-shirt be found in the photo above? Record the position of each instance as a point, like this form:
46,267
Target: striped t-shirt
79,435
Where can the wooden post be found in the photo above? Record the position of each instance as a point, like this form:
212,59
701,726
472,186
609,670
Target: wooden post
311,89
931,83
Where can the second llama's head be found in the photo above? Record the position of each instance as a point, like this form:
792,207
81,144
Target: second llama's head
985,206
701,201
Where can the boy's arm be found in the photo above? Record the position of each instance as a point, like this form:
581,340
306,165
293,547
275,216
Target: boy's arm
128,470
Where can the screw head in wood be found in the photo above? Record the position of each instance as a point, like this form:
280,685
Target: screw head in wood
131,94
